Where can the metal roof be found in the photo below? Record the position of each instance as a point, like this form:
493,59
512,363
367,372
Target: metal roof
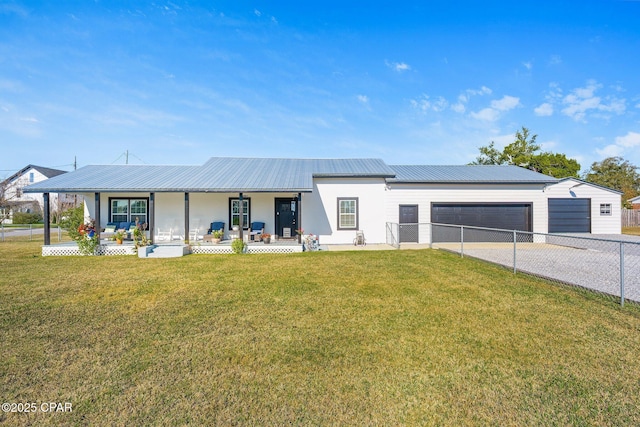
219,174
476,174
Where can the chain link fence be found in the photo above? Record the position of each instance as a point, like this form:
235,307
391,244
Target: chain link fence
28,232
608,266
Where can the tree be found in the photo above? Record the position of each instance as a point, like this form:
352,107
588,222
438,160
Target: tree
618,174
523,152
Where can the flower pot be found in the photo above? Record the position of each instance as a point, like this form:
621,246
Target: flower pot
267,240
119,241
216,240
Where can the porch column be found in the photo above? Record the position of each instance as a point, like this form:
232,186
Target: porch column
152,215
47,219
299,216
186,217
240,220
97,214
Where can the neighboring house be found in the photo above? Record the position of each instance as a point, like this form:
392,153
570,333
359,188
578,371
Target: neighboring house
635,203
330,198
13,199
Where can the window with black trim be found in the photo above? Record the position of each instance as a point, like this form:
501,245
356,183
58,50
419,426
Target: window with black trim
234,212
605,209
347,213
128,209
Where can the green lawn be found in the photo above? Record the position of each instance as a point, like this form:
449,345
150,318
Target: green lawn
327,338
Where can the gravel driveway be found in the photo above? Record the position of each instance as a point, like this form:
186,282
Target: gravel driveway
590,263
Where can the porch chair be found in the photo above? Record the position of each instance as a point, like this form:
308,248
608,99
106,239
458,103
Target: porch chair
217,225
359,240
194,235
164,235
256,229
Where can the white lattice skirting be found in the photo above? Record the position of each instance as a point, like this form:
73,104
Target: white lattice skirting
251,249
72,250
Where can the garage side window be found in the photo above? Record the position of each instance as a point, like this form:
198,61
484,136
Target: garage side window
605,209
347,213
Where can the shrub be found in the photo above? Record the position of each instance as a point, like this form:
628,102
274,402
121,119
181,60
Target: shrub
237,246
26,218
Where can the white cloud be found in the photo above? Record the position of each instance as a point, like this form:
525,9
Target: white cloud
631,139
363,98
398,66
458,108
425,105
584,100
621,143
257,12
555,60
545,109
610,151
506,103
528,65
486,114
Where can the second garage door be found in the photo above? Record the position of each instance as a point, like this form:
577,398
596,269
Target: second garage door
508,216
570,215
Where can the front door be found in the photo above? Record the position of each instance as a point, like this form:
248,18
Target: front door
286,214
408,223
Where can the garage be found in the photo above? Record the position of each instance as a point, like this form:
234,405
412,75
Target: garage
569,215
509,216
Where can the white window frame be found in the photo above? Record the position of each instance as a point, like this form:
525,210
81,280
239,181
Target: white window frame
234,212
130,216
605,209
348,207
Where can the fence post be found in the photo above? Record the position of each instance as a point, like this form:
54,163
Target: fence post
462,241
430,235
2,227
622,274
30,232
515,239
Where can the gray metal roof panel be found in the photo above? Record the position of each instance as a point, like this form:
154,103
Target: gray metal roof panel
219,174
467,174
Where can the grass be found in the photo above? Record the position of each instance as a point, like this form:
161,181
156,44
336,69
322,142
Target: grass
635,231
326,338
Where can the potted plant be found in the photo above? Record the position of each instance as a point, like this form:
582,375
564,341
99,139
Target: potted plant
236,224
119,237
217,236
266,237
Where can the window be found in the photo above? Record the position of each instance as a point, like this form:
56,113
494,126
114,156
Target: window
605,208
127,210
31,177
234,212
348,213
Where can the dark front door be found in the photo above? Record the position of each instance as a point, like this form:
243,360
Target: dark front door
408,223
286,215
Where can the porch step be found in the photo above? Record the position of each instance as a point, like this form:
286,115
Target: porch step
163,251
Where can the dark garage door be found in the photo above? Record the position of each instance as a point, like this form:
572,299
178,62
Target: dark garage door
569,215
509,216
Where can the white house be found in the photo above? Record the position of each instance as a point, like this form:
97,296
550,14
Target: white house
14,199
333,198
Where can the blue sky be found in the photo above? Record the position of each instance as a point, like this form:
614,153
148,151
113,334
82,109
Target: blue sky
416,82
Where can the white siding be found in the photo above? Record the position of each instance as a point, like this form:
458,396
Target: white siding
320,209
600,224
424,195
